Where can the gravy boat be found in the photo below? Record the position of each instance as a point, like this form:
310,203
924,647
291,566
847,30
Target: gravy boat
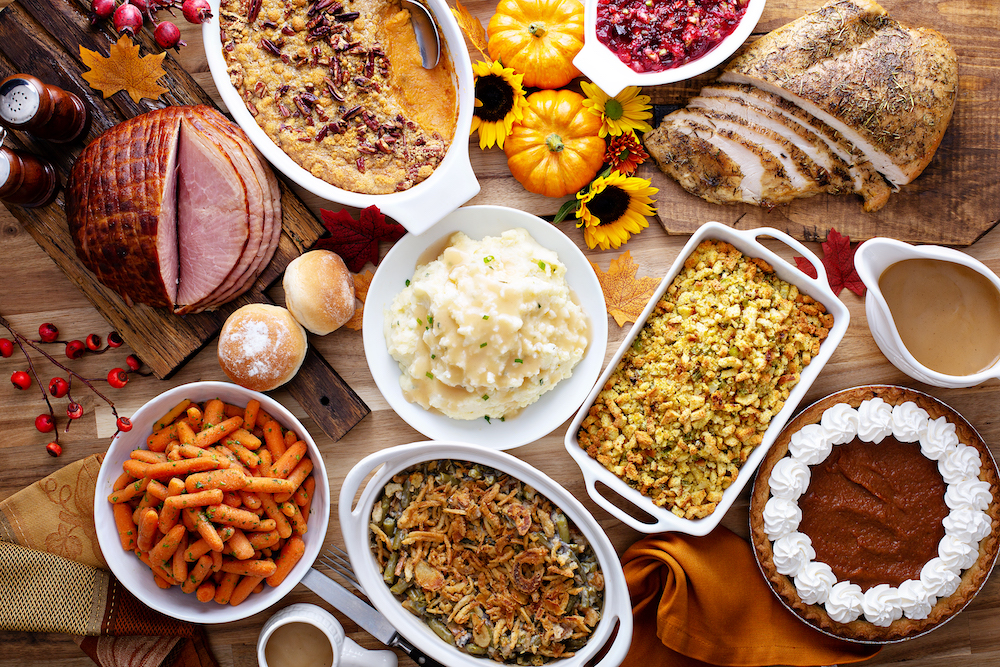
875,256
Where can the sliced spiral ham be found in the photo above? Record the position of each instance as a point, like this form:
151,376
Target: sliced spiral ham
174,209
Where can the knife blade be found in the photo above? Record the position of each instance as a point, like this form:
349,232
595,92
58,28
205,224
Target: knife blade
370,619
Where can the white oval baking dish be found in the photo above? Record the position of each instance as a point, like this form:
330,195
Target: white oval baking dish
817,288
355,517
453,182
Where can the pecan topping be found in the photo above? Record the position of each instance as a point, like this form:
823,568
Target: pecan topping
253,11
347,16
352,112
269,46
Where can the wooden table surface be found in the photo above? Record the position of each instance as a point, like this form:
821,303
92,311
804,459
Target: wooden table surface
33,290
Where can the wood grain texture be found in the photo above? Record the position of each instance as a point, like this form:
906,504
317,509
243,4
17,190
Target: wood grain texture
34,290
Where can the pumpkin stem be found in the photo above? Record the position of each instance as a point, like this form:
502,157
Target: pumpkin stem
537,28
554,143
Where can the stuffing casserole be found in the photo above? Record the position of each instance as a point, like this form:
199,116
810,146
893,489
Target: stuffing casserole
490,565
712,365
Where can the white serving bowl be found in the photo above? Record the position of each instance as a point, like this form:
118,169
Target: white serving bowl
602,66
134,575
354,520
555,406
875,256
817,288
453,182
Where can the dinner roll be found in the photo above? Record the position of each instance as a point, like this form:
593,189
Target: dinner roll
261,346
319,290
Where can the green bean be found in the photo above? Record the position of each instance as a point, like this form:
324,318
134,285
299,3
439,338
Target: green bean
474,649
405,499
397,540
576,644
441,630
400,586
476,472
389,574
562,526
389,526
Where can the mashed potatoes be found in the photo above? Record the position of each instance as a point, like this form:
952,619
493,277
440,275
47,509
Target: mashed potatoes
486,328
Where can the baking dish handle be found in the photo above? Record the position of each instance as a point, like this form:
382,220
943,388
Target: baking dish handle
623,640
349,513
426,206
632,522
810,256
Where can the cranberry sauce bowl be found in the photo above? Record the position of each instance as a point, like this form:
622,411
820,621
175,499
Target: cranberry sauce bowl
638,43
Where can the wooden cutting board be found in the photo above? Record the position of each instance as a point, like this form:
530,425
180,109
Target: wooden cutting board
42,37
955,201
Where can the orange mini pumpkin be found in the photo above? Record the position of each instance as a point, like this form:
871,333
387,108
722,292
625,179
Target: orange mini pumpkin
539,39
555,150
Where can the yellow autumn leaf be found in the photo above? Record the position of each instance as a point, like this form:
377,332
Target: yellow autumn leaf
471,26
124,70
361,283
625,294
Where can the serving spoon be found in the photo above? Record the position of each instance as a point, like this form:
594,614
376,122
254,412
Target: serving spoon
428,40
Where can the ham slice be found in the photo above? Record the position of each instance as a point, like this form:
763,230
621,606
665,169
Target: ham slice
174,209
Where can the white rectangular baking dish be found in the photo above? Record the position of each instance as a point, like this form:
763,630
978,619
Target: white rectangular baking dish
817,288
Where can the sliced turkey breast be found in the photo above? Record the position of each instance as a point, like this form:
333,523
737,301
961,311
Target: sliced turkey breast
888,89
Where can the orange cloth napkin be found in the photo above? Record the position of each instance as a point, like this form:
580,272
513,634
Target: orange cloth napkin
702,601
53,578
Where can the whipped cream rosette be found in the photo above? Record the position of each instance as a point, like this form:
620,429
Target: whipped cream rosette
827,465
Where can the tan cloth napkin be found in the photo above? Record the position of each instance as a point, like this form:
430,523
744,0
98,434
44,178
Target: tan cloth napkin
702,601
53,578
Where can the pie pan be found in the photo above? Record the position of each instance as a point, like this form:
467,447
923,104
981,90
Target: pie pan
355,518
453,182
135,576
817,288
553,407
860,631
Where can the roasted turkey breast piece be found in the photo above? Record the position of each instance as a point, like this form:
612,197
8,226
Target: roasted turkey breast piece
888,89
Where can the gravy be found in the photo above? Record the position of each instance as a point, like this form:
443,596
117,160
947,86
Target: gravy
298,645
948,315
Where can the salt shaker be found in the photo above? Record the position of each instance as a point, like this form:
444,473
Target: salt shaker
25,180
47,112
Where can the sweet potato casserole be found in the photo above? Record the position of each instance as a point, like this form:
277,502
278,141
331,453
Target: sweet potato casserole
339,87
490,565
712,365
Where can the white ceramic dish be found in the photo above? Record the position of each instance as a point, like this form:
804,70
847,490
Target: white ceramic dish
555,406
875,256
135,576
817,288
603,67
453,182
354,521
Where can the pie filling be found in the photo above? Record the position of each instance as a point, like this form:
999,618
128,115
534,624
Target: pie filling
877,511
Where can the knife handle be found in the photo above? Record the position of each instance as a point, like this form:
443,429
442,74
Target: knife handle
418,656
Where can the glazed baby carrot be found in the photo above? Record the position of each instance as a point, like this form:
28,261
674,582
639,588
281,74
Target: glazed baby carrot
244,589
165,548
246,456
215,411
230,479
216,432
273,438
272,510
250,415
250,568
171,512
283,466
304,494
183,467
171,415
268,485
147,529
185,433
233,516
263,540
197,574
199,499
291,510
126,527
147,456
290,554
129,492
205,592
296,477
239,546
225,588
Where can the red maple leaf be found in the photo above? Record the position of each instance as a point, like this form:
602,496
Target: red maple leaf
838,259
356,241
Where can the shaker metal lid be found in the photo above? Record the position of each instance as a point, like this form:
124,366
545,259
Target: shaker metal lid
19,101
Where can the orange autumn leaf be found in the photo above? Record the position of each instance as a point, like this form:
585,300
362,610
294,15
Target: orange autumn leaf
471,26
124,70
625,294
361,283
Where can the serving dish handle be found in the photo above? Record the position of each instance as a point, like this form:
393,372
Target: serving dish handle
809,255
419,210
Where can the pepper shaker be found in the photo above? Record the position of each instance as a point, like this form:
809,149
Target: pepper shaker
25,179
47,112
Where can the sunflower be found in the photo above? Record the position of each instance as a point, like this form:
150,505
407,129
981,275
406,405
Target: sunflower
499,102
625,111
625,153
613,208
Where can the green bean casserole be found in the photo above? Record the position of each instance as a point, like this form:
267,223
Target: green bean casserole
489,564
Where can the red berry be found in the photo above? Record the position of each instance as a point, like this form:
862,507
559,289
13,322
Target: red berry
53,449
117,378
6,347
58,387
48,332
20,379
141,5
115,340
133,362
102,8
167,35
124,424
128,19
74,349
74,410
196,11
45,423
93,342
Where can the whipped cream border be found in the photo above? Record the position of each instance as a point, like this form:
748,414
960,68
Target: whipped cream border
965,526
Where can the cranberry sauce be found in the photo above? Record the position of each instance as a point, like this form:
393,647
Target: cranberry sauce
656,35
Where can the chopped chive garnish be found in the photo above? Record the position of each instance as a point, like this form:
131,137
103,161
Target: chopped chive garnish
518,361
487,418
486,317
483,345
429,374
541,265
433,356
407,282
486,397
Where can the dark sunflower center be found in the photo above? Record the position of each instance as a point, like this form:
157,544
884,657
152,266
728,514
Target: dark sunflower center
497,97
609,205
